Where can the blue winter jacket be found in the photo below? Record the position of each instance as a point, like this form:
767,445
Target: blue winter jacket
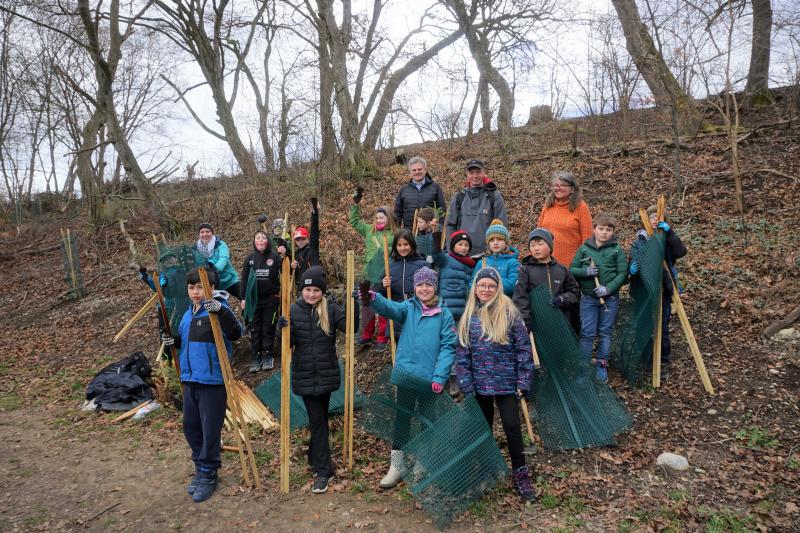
221,259
506,263
198,357
427,343
454,281
493,369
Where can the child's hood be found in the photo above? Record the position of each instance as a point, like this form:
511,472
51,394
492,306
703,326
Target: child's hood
591,242
530,260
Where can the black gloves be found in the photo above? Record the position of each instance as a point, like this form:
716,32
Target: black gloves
358,195
282,322
558,301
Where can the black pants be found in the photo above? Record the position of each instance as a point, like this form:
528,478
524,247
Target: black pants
508,406
319,449
262,328
233,290
203,416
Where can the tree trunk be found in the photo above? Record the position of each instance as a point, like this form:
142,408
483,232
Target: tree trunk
665,88
85,171
758,75
327,155
484,100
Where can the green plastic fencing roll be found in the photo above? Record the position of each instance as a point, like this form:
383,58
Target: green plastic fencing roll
571,408
450,457
638,313
174,262
269,392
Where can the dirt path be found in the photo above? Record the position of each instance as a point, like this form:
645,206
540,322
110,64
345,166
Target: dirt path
59,473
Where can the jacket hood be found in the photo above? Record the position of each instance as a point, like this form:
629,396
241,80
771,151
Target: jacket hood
487,184
591,242
267,250
220,295
529,260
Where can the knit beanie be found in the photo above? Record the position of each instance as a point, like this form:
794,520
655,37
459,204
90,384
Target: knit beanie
541,233
497,230
205,225
459,236
487,272
277,223
426,275
314,277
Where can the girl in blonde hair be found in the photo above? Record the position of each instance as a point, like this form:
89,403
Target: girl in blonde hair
494,362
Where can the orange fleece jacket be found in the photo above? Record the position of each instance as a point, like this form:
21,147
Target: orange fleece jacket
569,228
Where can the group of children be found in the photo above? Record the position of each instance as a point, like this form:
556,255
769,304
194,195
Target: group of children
467,324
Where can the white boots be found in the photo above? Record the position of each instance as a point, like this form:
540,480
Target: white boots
393,477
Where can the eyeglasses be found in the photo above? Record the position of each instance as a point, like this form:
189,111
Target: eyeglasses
487,288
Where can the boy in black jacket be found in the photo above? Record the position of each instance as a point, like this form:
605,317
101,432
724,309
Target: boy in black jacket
539,268
261,279
306,245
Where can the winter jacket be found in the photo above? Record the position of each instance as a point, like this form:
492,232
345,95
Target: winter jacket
674,249
198,356
472,210
308,256
265,267
315,366
373,239
402,272
506,263
427,343
276,242
569,228
454,282
221,260
489,368
610,260
409,199
553,274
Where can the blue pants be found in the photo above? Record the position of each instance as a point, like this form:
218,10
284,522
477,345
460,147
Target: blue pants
597,320
203,416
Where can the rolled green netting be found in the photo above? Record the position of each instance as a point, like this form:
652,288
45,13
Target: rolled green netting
450,457
632,354
174,262
269,392
571,408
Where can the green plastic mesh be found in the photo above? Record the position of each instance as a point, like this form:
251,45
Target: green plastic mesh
571,408
174,262
638,313
425,244
450,457
73,275
269,392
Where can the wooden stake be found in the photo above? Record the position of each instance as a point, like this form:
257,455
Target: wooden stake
285,225
286,361
388,294
350,361
230,389
524,403
138,316
414,226
65,235
597,284
444,232
126,415
536,363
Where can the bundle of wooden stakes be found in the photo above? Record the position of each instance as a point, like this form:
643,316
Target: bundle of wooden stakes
253,410
349,361
237,421
681,311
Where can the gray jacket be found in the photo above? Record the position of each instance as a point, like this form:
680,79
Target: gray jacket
478,207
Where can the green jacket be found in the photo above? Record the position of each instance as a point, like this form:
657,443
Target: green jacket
373,239
610,260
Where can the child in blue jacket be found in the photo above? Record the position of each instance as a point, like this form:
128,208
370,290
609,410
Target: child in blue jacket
501,256
426,349
204,397
494,362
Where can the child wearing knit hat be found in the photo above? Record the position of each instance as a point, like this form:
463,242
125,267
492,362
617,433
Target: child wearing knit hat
501,256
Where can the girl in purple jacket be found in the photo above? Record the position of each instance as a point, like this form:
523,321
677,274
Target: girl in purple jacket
494,362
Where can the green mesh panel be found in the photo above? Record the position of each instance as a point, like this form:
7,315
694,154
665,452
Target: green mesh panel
269,392
638,313
251,295
174,262
72,274
571,408
425,244
450,457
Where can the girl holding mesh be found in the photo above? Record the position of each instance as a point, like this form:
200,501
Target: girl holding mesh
494,362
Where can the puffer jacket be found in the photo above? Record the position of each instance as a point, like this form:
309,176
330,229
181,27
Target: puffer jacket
454,281
198,356
402,272
315,366
266,268
507,265
610,260
409,199
427,343
553,275
476,212
489,368
221,260
373,239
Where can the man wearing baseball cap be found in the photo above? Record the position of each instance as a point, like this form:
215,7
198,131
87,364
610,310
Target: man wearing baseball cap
474,207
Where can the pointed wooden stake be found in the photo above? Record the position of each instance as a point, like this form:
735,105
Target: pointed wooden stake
286,368
388,294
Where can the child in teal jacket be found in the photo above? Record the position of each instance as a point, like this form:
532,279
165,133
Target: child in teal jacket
501,256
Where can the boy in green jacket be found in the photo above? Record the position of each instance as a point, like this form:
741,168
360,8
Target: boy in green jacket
601,268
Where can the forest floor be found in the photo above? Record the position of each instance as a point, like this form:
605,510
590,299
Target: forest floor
63,469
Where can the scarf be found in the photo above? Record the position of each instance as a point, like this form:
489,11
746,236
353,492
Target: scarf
207,250
467,260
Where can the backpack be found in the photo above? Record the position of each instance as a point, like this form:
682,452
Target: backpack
460,198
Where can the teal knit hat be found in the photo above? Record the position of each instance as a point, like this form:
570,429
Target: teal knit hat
497,229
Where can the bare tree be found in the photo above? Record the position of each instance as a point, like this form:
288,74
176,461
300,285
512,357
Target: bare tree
758,75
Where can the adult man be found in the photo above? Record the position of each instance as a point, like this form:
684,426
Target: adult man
475,206
420,191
